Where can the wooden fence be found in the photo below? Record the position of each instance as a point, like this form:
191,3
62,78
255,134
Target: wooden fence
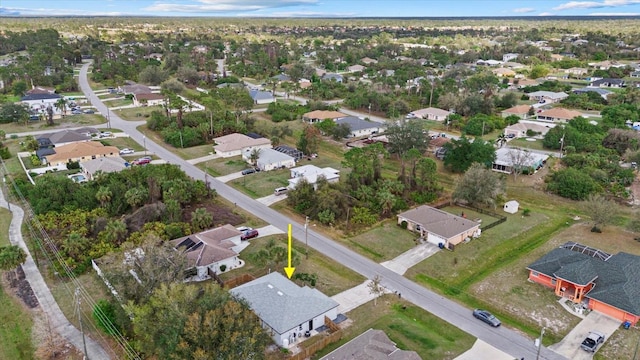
307,352
237,281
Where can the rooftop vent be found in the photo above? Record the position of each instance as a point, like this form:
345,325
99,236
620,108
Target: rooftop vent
270,286
280,293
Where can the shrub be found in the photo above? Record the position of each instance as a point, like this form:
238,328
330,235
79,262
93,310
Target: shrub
104,313
73,165
526,212
223,267
404,224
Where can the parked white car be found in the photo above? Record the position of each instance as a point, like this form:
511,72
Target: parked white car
126,151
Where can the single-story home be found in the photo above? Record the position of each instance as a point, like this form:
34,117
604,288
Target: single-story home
103,165
577,71
509,158
62,137
368,61
372,344
214,250
558,115
519,130
509,56
547,96
356,68
133,89
285,309
521,111
430,113
503,72
81,152
608,82
270,159
311,173
293,152
321,115
438,226
261,97
39,102
360,127
332,77
604,93
606,283
233,144
148,99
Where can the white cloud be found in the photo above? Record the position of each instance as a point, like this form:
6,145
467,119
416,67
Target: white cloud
227,5
524,10
614,14
303,14
546,14
595,4
57,12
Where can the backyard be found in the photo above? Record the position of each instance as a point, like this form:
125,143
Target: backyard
410,327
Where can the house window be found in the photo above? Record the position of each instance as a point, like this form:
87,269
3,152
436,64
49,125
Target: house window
534,273
553,281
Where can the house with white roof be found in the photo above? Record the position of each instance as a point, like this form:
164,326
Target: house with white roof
430,113
269,159
509,159
233,144
103,165
311,174
40,102
286,310
547,96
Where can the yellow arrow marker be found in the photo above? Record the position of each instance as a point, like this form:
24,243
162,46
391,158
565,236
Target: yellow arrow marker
289,270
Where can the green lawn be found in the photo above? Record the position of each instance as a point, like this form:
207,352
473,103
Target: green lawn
194,152
410,327
15,330
122,142
69,120
119,102
262,183
523,143
223,166
5,221
139,113
384,242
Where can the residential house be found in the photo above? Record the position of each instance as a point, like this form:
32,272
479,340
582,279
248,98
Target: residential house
604,93
514,65
282,78
520,129
430,113
508,159
234,144
547,96
635,74
212,251
39,102
261,97
321,115
332,77
62,137
296,154
371,345
148,99
286,310
522,83
608,83
558,115
503,72
368,61
103,165
489,62
360,127
521,111
438,226
509,57
81,152
576,71
606,283
269,159
356,68
132,89
311,174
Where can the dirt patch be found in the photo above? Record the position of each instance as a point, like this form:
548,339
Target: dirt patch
50,345
21,287
222,214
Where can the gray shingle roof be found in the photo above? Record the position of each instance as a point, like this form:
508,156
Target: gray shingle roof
617,279
355,123
281,303
260,95
371,345
439,222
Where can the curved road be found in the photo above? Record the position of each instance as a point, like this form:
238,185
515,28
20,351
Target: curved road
502,338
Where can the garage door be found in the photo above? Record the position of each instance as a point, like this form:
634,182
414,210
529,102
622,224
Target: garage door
434,239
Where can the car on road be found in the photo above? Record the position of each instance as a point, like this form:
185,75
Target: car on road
126,151
248,171
249,234
592,341
487,317
141,161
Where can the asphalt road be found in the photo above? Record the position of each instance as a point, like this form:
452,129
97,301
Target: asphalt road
503,338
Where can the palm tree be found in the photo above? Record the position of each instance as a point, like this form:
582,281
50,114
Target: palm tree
254,156
115,232
501,140
11,257
201,219
103,195
61,105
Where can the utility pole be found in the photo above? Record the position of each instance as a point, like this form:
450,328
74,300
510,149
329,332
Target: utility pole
84,341
211,114
306,236
482,129
539,342
431,95
561,145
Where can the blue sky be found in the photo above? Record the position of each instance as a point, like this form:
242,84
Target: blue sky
319,8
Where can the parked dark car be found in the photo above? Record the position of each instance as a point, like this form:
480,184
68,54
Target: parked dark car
592,341
248,171
249,234
487,317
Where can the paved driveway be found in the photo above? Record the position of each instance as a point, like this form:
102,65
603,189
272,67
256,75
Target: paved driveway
483,351
570,345
354,297
272,199
411,257
227,178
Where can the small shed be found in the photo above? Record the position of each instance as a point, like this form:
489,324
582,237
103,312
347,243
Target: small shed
511,206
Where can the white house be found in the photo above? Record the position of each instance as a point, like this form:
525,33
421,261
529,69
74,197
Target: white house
360,127
214,250
261,97
438,226
39,102
430,113
508,159
233,144
311,173
148,99
103,165
286,310
519,130
511,207
509,57
547,96
270,159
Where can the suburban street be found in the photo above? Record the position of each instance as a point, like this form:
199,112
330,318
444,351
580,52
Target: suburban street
503,338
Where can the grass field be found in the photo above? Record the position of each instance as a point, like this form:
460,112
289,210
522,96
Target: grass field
123,142
15,331
262,183
139,113
5,221
118,102
523,143
410,327
223,166
68,121
383,242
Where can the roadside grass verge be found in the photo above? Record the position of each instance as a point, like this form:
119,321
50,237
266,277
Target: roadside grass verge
409,326
5,222
15,332
139,113
223,166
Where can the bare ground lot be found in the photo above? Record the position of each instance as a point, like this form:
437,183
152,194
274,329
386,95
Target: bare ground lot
537,305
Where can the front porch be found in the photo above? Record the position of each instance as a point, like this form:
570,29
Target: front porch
571,291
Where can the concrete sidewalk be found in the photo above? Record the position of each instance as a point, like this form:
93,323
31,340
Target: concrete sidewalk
411,257
56,318
227,178
354,297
